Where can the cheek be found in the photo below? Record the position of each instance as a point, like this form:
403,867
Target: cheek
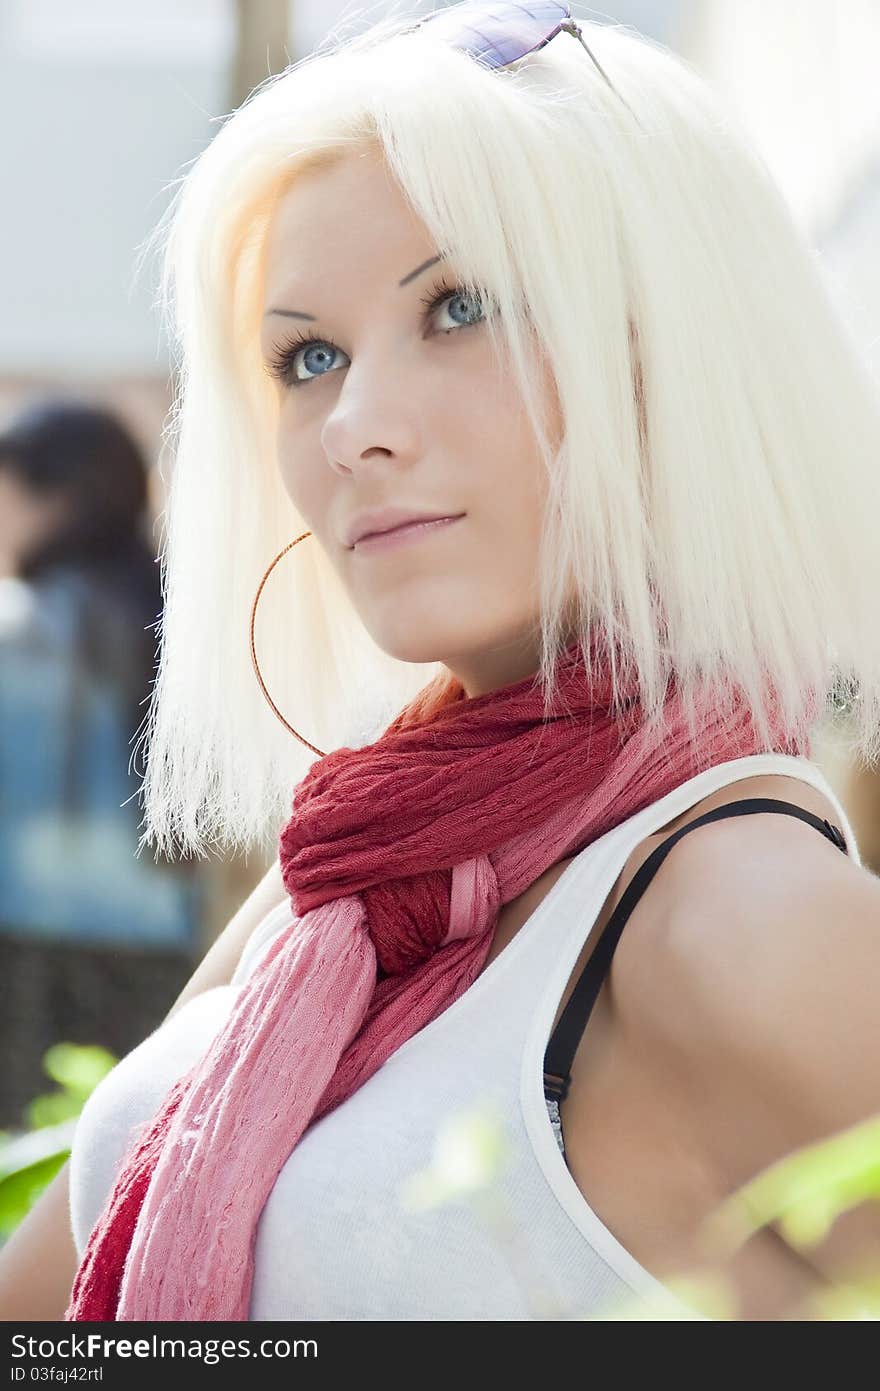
513,484
307,487
516,525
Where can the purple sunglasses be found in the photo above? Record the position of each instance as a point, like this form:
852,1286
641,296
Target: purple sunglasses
497,35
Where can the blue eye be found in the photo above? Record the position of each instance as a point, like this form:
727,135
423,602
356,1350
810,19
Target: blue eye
301,347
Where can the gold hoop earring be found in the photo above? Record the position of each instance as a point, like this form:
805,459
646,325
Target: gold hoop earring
287,726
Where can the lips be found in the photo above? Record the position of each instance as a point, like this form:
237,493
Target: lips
406,534
401,526
388,519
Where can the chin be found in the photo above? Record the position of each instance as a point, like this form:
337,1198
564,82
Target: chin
418,647
422,623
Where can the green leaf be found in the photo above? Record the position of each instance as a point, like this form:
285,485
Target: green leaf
78,1067
805,1192
20,1190
30,1159
31,1147
52,1109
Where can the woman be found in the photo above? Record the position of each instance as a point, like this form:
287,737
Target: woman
557,303
93,940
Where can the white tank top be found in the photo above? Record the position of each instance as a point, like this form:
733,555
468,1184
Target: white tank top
334,1240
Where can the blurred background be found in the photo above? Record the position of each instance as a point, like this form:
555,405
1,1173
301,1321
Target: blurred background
102,107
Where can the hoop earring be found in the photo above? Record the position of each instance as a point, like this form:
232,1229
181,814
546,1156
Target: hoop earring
287,726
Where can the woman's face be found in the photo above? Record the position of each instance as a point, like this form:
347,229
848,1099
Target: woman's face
409,410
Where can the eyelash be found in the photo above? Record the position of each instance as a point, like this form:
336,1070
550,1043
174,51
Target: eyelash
280,365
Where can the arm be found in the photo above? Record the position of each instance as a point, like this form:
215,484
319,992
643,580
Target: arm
777,980
39,1261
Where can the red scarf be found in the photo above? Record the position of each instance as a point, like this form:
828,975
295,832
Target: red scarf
397,858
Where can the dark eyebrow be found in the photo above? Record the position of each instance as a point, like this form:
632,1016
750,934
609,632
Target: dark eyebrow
298,314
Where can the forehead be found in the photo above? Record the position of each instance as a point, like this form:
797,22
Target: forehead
351,210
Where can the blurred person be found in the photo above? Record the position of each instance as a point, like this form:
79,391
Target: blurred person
495,332
92,938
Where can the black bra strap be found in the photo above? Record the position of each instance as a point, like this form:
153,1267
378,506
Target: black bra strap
563,1044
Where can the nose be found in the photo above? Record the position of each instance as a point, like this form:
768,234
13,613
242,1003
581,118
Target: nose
360,463
373,426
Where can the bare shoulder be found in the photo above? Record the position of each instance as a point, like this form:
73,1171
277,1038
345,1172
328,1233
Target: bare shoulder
705,874
760,978
758,888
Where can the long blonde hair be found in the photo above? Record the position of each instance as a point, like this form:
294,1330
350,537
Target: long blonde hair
717,492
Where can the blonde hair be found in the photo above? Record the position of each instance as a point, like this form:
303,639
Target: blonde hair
716,494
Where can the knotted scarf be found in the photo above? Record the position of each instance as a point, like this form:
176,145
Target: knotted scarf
397,858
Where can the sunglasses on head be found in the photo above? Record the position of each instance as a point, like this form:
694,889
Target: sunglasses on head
497,35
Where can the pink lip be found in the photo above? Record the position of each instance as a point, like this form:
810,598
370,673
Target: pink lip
401,535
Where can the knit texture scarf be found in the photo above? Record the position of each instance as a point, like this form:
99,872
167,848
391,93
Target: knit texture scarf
397,858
